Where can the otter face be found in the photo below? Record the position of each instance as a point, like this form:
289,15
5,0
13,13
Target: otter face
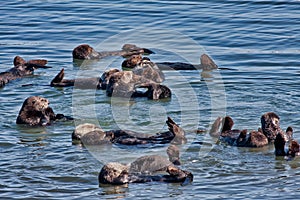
36,103
270,125
132,61
19,61
85,51
114,173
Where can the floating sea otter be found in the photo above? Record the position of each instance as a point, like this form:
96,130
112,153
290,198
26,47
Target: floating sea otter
145,169
85,51
265,135
21,68
36,111
89,134
206,63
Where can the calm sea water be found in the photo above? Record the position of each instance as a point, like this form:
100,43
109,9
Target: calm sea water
259,42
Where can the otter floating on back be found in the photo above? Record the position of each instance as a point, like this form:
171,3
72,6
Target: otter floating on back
89,134
85,51
145,169
206,63
21,68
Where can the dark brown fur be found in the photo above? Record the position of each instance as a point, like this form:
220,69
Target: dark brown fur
85,51
36,111
142,170
206,63
262,137
21,68
89,134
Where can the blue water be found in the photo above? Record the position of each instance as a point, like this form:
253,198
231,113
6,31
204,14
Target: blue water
259,42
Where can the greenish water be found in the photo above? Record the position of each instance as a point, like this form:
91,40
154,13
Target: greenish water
259,40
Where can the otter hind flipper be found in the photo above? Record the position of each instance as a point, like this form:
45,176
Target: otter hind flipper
174,154
207,63
179,134
58,78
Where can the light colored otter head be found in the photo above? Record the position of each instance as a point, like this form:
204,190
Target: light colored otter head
35,103
114,173
83,129
270,125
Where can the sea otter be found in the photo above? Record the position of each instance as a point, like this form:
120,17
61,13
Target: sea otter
21,68
85,51
89,134
144,169
36,111
206,63
263,136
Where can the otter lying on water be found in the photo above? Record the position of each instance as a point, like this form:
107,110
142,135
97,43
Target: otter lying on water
206,63
36,111
21,68
85,51
265,135
89,134
145,169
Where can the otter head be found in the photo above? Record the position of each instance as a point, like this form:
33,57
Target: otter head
114,173
19,61
227,124
85,51
270,125
83,129
35,103
132,61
